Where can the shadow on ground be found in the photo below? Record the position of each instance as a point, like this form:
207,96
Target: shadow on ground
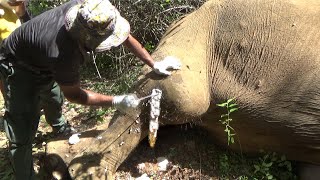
189,152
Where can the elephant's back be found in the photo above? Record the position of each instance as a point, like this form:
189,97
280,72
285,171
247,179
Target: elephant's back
267,42
268,52
266,55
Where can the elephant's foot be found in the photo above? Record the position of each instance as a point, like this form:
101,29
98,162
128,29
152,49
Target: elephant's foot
54,167
309,171
106,153
94,169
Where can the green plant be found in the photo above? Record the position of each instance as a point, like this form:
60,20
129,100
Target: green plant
101,112
39,6
224,164
263,167
271,166
243,177
231,107
149,46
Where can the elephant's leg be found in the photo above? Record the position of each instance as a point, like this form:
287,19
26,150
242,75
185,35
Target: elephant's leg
111,148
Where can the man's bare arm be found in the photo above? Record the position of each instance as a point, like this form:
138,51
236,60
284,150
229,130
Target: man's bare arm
138,50
78,95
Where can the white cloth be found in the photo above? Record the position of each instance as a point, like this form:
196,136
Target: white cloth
168,62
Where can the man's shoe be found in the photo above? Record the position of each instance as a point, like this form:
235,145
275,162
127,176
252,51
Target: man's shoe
65,130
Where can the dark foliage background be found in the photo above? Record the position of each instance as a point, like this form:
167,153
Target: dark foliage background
148,19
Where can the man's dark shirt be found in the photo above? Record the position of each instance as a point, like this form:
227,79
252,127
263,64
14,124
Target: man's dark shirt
44,44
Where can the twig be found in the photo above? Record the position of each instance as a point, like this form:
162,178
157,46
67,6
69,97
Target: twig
200,163
137,2
178,7
95,64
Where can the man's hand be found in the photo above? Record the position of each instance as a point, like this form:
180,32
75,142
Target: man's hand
17,5
168,62
15,2
125,103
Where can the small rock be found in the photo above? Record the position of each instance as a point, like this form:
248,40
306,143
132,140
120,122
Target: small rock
141,167
143,177
74,139
1,12
57,175
162,163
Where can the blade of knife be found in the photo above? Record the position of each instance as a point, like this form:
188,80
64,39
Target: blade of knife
145,97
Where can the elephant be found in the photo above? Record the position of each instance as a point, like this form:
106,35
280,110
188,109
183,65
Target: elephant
264,54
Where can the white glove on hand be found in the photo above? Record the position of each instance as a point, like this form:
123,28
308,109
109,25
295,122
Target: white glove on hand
168,62
125,103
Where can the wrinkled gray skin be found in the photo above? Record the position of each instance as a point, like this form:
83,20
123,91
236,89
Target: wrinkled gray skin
263,53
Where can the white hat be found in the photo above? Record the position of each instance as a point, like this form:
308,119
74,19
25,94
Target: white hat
97,24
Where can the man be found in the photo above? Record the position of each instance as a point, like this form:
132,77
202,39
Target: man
50,48
15,11
12,14
9,21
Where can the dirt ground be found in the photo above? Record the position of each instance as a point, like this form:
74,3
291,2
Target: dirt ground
189,153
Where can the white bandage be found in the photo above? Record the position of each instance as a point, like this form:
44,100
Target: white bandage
168,62
154,115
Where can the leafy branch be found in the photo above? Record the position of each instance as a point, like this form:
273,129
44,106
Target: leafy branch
226,119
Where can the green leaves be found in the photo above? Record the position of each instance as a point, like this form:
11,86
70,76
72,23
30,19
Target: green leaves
225,120
38,7
149,46
271,166
222,105
229,101
233,109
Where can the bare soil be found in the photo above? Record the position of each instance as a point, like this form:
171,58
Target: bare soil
190,156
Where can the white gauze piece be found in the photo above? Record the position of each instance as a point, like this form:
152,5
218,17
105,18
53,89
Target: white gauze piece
154,114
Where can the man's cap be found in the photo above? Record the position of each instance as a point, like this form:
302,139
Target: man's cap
97,24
